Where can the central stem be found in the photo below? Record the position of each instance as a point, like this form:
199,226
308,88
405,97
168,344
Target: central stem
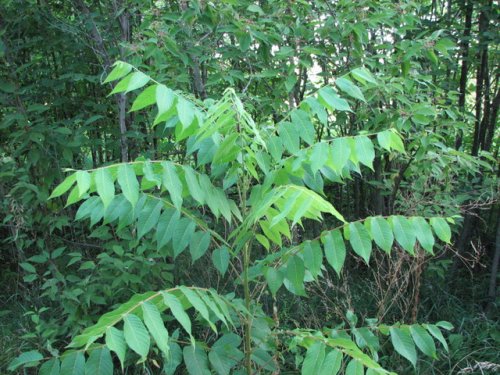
246,285
248,320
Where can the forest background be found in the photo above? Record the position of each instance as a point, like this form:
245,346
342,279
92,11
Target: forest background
424,74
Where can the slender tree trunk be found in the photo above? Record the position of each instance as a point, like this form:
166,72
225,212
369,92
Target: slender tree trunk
464,72
492,290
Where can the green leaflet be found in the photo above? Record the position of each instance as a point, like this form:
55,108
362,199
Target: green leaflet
403,343
225,354
434,331
164,99
290,137
128,183
64,186
73,364
274,279
295,273
332,363
330,99
99,362
384,139
185,111
199,245
148,216
423,340
178,311
193,184
354,367
364,151
441,228
340,153
146,98
198,305
363,75
166,226
303,125
423,232
154,323
51,367
220,258
334,248
172,183
196,360
381,233
30,357
319,156
403,231
105,185
313,361
120,70
137,80
136,335
313,257
349,88
360,240
183,233
82,182
115,341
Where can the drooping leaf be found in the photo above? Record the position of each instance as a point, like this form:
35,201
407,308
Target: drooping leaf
330,99
136,335
274,279
99,362
313,361
178,311
83,182
164,98
381,233
172,183
360,240
224,354
335,251
332,363
434,331
423,232
26,358
50,367
128,183
198,304
423,340
404,233
196,360
354,367
340,152
145,98
137,80
148,216
295,273
313,257
199,245
73,364
105,185
154,323
289,137
115,341
121,69
349,88
64,186
220,258
441,228
364,151
403,343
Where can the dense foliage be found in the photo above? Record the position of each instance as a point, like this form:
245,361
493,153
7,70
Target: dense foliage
270,187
